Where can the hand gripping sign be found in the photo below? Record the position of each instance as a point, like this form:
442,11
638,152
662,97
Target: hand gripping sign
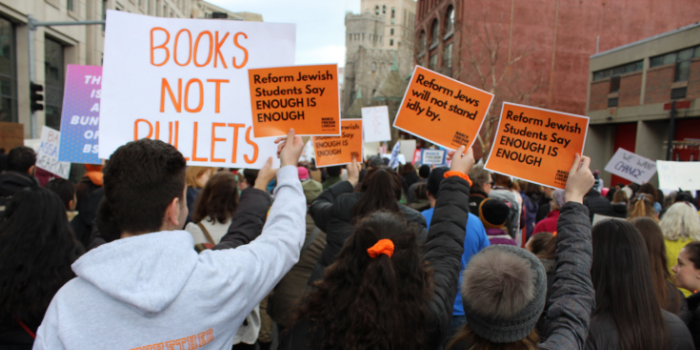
185,82
536,144
301,97
338,150
442,110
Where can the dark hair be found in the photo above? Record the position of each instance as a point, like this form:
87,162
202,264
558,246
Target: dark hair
63,188
693,250
37,249
140,180
20,159
656,248
407,169
650,190
503,180
381,300
634,187
218,200
539,241
474,342
382,191
250,175
334,170
424,171
532,189
420,192
624,286
549,251
683,197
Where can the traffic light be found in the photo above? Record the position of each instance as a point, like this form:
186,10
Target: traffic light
36,97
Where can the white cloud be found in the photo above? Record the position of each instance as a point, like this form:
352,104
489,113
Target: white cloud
320,24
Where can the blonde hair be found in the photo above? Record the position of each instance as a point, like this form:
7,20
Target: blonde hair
193,173
681,221
642,206
620,197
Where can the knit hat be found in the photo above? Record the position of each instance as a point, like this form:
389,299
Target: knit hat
559,197
434,180
303,173
376,161
312,189
504,290
493,213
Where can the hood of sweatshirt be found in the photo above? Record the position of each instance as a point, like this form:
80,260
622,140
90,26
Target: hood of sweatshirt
147,271
12,182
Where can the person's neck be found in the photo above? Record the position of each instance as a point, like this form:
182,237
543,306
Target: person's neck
432,201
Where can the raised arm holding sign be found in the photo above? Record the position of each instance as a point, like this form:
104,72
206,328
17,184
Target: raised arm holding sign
537,145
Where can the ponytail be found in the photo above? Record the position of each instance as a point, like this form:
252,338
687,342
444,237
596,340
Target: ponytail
642,206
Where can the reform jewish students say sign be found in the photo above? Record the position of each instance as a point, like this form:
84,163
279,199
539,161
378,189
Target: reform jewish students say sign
301,97
442,110
185,82
537,144
338,150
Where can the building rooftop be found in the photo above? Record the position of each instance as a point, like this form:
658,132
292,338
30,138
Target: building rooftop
649,39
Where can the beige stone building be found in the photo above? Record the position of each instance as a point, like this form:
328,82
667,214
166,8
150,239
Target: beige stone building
57,46
376,40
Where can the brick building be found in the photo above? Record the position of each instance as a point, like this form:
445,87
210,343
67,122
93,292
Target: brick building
629,94
540,48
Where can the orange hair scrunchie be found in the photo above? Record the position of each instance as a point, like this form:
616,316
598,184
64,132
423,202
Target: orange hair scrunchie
383,246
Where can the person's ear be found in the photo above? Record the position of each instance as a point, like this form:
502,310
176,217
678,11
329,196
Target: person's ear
172,213
31,170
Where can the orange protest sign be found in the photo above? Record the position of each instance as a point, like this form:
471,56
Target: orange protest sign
301,97
536,144
338,150
442,110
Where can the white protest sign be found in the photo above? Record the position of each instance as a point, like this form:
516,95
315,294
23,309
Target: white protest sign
407,148
47,155
675,175
185,82
375,124
630,166
433,157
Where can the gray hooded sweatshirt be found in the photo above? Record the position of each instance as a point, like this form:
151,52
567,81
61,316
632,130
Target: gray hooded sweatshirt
154,292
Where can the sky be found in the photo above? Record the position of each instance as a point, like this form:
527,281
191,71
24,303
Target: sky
320,24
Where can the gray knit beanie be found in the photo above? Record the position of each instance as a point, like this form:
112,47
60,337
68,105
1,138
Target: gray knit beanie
504,289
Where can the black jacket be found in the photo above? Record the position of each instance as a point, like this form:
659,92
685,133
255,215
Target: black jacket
12,182
618,210
248,221
87,212
597,204
442,250
694,325
332,213
603,333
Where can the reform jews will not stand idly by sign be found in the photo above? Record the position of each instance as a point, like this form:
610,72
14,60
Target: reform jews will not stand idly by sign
185,82
537,145
630,166
339,150
442,110
301,97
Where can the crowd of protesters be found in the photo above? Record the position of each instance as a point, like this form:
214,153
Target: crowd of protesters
147,253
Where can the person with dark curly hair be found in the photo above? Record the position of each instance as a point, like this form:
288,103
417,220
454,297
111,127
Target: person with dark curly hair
37,249
385,290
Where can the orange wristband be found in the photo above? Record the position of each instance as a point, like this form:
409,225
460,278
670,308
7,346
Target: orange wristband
458,174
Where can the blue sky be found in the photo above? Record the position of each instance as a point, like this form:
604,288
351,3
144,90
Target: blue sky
320,24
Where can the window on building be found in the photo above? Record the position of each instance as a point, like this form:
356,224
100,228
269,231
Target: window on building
393,12
54,69
619,70
422,43
679,93
447,56
376,10
433,61
613,102
435,33
449,20
680,58
391,31
383,9
391,42
8,72
615,84
69,5
104,14
148,7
